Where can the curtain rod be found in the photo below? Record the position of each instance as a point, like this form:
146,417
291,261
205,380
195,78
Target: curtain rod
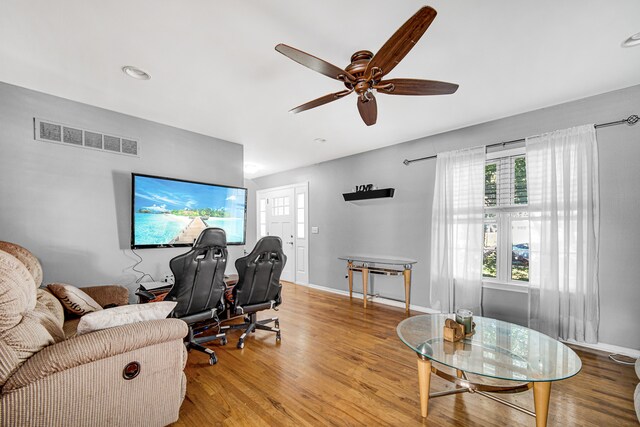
631,120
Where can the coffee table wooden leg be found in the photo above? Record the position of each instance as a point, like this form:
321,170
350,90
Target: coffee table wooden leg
424,381
541,394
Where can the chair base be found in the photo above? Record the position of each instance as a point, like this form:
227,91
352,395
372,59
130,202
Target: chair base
251,323
195,343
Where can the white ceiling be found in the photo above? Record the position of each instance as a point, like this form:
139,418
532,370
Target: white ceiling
215,70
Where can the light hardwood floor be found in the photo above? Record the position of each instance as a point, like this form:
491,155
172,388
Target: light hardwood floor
339,364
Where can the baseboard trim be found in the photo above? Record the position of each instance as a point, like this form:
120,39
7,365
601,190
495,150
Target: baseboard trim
607,348
381,300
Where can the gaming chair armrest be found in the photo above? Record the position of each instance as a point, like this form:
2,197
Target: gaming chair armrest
199,317
255,307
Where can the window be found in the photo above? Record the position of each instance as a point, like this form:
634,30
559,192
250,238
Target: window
263,217
506,224
280,206
300,216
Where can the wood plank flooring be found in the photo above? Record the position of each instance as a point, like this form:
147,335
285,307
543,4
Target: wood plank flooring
339,365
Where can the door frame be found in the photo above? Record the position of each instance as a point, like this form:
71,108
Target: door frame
298,188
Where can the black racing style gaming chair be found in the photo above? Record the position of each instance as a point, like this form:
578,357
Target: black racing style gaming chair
258,286
199,288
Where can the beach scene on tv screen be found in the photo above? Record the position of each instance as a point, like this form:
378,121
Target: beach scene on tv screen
175,212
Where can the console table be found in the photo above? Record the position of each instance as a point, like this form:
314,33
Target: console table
385,266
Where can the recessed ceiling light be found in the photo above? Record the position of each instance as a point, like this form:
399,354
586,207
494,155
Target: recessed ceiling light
251,168
634,40
320,140
135,72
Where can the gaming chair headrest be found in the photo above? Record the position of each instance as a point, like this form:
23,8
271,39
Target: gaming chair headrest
211,237
268,244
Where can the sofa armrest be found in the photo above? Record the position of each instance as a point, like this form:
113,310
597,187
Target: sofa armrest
94,346
108,294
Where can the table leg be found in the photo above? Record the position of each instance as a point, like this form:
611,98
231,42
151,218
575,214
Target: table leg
424,381
365,284
350,274
407,288
541,394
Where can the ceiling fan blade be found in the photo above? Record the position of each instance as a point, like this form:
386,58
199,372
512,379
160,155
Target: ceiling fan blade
316,64
415,87
320,101
368,109
401,42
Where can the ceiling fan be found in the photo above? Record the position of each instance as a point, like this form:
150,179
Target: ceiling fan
366,70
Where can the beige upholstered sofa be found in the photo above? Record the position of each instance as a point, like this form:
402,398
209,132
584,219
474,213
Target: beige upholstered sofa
51,377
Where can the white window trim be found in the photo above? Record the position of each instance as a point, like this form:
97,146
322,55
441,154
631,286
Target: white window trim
520,287
506,153
499,283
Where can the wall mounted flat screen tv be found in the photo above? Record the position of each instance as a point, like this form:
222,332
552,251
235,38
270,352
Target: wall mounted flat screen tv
167,212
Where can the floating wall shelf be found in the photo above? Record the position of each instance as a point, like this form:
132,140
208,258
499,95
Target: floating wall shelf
371,194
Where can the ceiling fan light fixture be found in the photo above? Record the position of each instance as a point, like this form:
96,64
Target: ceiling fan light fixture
634,40
136,72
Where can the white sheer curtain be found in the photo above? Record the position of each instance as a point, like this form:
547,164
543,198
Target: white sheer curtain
456,230
562,182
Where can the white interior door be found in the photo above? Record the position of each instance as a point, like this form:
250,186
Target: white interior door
283,212
280,219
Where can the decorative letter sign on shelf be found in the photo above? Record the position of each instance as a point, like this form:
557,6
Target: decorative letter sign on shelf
368,194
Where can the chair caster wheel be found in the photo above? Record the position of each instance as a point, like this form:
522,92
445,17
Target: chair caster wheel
277,324
223,341
213,359
278,337
240,344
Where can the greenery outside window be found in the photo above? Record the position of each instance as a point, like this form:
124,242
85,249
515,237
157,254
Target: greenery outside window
506,224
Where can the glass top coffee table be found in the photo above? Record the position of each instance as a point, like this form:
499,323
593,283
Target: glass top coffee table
498,350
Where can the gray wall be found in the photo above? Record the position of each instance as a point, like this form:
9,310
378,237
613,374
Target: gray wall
71,206
401,226
251,187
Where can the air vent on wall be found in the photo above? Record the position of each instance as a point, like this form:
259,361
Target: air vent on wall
48,131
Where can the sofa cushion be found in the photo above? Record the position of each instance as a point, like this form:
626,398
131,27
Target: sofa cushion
20,343
17,291
124,315
26,327
73,299
27,258
51,303
108,294
70,327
